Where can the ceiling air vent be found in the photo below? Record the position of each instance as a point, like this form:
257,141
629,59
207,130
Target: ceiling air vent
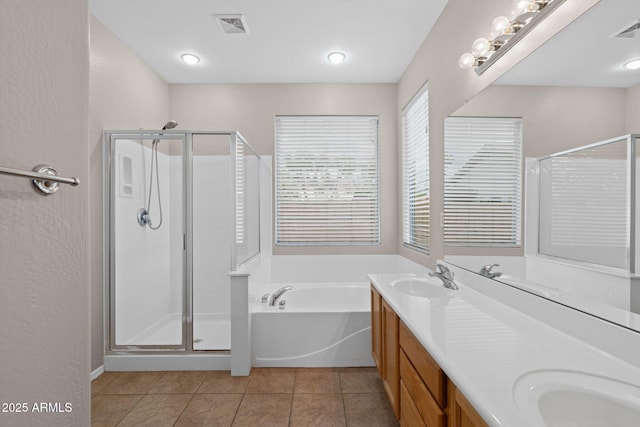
231,24
630,32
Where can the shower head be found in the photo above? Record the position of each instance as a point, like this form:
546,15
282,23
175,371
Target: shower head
170,125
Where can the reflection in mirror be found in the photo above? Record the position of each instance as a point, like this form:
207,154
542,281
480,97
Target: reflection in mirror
567,99
584,200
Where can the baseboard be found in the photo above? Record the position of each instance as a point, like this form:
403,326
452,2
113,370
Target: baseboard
95,374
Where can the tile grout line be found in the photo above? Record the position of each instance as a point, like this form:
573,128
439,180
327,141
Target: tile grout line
344,405
192,396
244,393
141,399
293,390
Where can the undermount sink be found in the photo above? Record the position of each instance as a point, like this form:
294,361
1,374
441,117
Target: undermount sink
420,287
567,398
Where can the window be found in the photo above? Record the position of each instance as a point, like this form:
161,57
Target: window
415,172
327,180
482,181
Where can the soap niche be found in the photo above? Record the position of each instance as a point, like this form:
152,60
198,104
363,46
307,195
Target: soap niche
126,176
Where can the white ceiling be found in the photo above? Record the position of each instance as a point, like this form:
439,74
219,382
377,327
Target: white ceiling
288,40
584,54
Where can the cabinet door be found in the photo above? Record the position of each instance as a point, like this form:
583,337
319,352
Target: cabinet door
376,329
390,356
461,413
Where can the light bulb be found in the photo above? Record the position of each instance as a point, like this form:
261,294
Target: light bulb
466,60
189,58
518,7
336,57
499,26
480,46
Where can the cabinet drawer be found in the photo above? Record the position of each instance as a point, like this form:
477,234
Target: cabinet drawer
428,408
426,367
409,414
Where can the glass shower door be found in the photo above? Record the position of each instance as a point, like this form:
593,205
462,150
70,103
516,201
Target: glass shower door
147,257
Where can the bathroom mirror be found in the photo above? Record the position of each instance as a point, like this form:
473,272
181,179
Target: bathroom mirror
572,91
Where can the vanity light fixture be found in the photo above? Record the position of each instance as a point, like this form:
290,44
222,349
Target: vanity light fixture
634,64
506,32
189,58
336,57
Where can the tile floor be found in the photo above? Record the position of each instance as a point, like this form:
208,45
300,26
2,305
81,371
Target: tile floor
268,397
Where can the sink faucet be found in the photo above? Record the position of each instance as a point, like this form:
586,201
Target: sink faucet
277,294
486,271
443,273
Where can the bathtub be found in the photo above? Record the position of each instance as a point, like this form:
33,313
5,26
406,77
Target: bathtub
322,325
326,321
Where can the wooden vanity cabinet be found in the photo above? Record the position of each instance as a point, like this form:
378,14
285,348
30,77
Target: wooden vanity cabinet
461,413
418,389
376,328
390,352
425,382
385,347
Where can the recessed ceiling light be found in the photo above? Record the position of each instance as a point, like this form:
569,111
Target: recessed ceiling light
336,57
189,58
632,65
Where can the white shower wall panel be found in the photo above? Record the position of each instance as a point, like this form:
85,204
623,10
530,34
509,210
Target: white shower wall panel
142,263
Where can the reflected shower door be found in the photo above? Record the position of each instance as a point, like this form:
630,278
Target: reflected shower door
147,259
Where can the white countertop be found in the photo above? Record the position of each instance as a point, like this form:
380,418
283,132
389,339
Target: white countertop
484,346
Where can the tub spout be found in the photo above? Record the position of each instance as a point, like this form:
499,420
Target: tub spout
277,294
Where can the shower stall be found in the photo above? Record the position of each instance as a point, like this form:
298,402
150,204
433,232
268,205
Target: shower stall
181,212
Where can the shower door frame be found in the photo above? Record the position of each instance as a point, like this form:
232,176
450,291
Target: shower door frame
186,346
110,138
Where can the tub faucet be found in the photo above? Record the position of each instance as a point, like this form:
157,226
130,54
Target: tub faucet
277,294
443,273
486,271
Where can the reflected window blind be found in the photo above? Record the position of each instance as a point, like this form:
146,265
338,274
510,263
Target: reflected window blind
327,180
482,184
415,160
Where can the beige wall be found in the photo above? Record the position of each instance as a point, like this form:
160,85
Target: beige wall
553,119
251,108
436,61
44,292
633,109
125,94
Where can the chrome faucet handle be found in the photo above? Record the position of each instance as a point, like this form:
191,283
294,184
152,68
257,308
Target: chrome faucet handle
444,270
282,304
264,299
489,267
277,294
446,280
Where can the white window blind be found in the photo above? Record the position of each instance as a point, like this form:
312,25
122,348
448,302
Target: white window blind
482,183
415,159
240,191
327,180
